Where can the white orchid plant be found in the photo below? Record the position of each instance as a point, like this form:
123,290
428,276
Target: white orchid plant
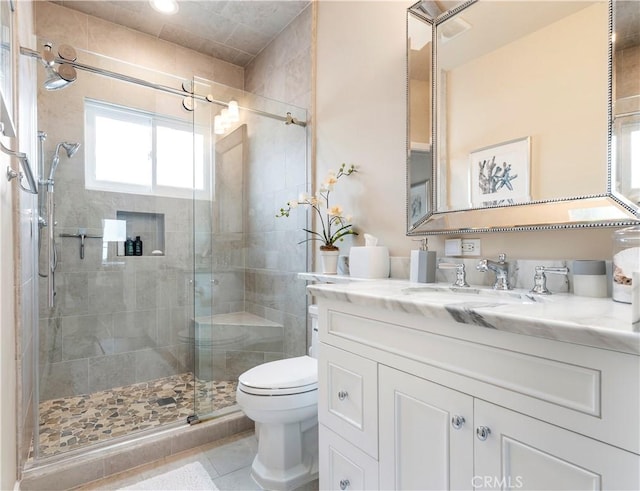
335,225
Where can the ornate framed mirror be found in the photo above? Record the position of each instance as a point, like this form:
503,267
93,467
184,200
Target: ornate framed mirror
535,115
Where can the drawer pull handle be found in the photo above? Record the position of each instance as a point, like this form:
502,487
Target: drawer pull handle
457,422
482,432
342,395
344,484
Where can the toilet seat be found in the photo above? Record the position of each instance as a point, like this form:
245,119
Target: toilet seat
282,377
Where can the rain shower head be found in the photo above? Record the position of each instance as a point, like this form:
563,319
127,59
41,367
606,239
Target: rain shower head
69,148
60,78
65,74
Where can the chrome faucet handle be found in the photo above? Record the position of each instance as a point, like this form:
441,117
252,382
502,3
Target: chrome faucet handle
461,275
540,279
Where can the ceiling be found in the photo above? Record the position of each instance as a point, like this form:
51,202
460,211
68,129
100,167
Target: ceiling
230,30
627,19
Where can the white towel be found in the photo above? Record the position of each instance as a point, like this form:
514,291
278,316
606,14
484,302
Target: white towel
189,477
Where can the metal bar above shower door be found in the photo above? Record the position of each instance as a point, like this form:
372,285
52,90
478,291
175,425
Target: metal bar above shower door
152,85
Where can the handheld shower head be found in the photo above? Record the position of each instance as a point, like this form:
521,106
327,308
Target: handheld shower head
69,148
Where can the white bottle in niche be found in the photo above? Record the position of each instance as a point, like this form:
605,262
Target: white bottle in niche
423,264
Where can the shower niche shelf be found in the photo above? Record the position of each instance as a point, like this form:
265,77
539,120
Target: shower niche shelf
149,226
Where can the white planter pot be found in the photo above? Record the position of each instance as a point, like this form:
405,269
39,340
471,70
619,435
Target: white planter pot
329,261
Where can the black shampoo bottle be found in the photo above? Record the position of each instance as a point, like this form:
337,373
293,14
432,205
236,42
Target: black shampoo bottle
137,246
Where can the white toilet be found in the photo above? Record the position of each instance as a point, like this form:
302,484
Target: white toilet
282,398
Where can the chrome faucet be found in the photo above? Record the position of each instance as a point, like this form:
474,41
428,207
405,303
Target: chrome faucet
461,278
500,268
540,279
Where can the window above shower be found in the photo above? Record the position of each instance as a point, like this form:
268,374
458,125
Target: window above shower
132,151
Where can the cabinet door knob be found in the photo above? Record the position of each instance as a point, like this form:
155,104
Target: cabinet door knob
457,422
344,484
482,432
342,395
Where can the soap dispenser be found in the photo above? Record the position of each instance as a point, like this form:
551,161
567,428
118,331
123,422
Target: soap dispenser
423,264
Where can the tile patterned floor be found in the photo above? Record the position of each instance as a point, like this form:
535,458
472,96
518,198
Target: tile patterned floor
72,422
228,463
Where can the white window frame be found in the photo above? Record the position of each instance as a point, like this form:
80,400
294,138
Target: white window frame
94,108
625,171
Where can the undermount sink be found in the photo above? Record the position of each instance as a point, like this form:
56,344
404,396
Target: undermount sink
465,294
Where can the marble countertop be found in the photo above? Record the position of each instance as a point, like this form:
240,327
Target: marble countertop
598,322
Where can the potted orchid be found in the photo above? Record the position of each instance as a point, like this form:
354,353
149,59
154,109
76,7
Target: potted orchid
335,225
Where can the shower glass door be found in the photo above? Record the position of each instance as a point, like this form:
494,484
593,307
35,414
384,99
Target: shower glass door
116,349
249,306
143,334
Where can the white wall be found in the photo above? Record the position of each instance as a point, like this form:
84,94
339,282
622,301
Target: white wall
360,113
360,119
7,333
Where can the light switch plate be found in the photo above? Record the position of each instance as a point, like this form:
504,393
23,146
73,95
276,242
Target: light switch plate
453,247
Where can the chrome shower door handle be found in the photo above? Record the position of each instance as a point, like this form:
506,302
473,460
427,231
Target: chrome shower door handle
24,164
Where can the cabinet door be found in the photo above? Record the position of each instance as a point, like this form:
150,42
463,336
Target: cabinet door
343,466
421,447
525,453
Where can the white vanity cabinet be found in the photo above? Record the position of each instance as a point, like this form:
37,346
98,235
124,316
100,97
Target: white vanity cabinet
408,402
432,437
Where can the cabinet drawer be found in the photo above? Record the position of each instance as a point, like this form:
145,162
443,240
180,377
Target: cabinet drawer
343,466
348,397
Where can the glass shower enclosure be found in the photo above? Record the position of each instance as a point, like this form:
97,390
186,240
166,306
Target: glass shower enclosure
164,271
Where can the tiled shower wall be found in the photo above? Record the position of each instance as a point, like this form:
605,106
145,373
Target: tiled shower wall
282,71
125,319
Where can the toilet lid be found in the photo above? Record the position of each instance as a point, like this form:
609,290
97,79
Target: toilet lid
292,375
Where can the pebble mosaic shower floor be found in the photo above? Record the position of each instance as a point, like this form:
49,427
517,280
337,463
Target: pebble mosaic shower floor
73,422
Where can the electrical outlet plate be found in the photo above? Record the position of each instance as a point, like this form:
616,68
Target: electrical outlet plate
470,247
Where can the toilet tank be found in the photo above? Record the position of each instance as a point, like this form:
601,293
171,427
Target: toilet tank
313,316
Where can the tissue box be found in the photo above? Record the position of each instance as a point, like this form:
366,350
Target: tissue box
369,262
